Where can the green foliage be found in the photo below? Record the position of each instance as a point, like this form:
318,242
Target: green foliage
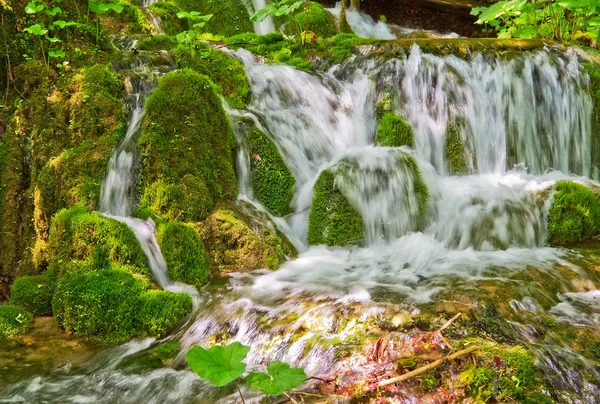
14,320
574,214
187,143
393,131
191,38
225,71
100,9
184,252
157,42
160,311
272,181
102,305
593,71
332,220
220,365
34,293
555,19
167,12
280,377
455,150
230,16
320,21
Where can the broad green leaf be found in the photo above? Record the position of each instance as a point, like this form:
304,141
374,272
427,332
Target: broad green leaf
36,29
32,7
98,8
526,32
57,53
53,40
281,377
219,365
594,22
55,11
62,24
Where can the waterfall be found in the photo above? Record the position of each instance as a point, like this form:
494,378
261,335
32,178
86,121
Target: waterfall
267,25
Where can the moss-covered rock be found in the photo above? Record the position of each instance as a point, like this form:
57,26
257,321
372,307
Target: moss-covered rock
272,182
184,253
230,17
320,21
14,320
34,293
333,221
102,305
160,311
167,12
574,215
94,241
157,42
237,242
225,71
131,20
594,91
455,150
187,149
393,131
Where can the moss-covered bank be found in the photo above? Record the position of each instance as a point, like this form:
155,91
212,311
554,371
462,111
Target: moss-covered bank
230,17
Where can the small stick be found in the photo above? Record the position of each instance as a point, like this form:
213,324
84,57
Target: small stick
449,322
427,367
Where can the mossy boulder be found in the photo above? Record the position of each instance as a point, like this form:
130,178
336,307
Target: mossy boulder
394,131
187,149
184,252
230,17
238,242
224,70
332,220
272,181
34,293
320,21
160,311
92,240
14,320
455,150
167,12
574,214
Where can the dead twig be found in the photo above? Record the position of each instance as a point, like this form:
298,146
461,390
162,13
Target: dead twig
449,322
427,367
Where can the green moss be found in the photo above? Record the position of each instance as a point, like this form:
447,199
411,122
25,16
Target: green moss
332,220
320,21
14,320
158,42
574,214
478,382
393,131
188,143
230,17
34,293
594,91
339,47
167,12
272,181
161,310
102,305
94,239
225,71
183,250
455,150
428,382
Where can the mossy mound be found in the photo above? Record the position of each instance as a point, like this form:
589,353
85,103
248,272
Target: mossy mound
225,71
160,311
112,305
320,21
272,182
187,149
167,12
183,250
78,237
157,42
237,242
230,17
34,293
393,131
455,150
333,221
574,215
14,320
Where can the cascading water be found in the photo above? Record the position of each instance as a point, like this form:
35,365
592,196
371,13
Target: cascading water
267,25
518,120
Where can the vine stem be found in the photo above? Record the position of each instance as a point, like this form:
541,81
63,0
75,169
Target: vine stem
240,392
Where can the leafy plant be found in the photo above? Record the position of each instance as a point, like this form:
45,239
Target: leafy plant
562,20
222,365
286,9
100,9
190,37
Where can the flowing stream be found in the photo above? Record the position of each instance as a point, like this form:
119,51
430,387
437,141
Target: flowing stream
524,123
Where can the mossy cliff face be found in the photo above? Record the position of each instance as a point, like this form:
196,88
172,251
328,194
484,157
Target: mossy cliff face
333,221
238,242
187,149
394,131
574,214
272,182
230,17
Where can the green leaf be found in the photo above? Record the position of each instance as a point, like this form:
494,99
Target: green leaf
104,8
55,11
281,377
32,7
53,40
36,29
62,24
219,365
57,53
